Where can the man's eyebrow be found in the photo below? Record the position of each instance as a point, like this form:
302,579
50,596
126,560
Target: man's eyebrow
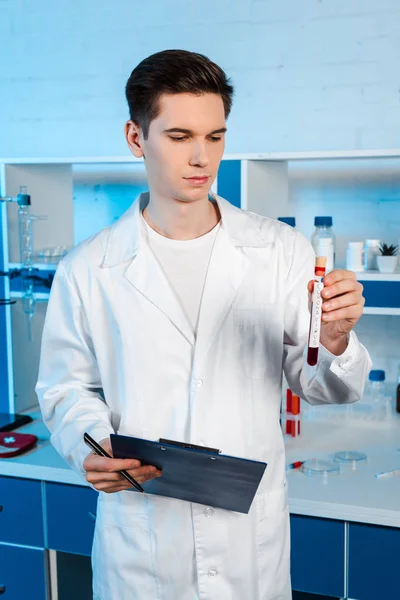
189,132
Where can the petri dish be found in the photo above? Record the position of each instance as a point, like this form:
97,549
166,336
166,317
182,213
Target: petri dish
317,467
351,458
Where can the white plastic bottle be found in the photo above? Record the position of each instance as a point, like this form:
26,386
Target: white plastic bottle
323,240
355,256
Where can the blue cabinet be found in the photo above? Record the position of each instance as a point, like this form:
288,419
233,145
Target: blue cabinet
381,293
373,562
229,181
21,513
71,513
317,555
22,573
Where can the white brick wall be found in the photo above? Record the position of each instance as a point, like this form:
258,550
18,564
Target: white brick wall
310,74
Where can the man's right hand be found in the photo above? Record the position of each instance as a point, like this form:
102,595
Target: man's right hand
103,473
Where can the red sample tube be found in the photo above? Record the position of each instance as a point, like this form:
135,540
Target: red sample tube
316,311
289,422
295,411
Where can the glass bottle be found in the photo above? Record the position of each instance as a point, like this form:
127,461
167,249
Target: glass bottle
376,384
371,253
376,393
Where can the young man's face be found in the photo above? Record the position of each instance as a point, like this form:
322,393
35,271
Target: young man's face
184,146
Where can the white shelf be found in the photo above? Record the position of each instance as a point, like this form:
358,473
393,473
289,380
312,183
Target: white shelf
39,296
40,266
377,310
323,155
283,156
376,276
67,160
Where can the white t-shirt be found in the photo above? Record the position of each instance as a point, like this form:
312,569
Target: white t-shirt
185,264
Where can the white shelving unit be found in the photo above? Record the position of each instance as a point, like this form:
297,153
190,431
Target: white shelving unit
81,191
376,276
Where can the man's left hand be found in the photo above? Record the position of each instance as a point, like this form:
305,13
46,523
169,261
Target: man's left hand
342,306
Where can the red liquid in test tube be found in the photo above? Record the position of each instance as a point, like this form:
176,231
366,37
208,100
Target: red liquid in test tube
316,311
295,411
289,422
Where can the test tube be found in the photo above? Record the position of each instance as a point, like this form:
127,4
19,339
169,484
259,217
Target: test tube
316,311
289,397
296,412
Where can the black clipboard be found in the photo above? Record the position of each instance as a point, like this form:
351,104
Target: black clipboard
194,473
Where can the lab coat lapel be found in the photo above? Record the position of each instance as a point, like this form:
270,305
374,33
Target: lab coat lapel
126,244
227,269
147,276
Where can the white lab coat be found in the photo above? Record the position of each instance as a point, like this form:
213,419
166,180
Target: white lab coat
118,355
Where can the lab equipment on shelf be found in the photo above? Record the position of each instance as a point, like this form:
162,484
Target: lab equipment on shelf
25,229
375,404
376,386
354,256
25,235
51,255
371,253
323,240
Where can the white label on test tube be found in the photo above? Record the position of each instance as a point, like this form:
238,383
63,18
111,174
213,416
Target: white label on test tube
316,315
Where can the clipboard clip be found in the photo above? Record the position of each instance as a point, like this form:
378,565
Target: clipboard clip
191,446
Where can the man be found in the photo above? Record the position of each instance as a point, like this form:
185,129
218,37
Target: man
177,321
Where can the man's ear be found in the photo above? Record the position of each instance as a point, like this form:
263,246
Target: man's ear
134,138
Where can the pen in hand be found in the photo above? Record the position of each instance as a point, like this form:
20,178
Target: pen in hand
97,449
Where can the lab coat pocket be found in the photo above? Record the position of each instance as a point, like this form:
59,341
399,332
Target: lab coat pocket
273,544
259,334
121,556
271,503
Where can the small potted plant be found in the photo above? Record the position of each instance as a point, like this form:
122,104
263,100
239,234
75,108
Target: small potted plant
387,261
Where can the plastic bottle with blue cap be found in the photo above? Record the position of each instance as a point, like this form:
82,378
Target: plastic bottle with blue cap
379,403
376,386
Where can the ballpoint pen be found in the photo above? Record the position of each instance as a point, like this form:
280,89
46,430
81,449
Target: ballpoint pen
101,452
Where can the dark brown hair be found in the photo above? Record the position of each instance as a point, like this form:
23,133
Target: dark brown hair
173,72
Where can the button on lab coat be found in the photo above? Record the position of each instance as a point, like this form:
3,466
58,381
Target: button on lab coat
118,355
